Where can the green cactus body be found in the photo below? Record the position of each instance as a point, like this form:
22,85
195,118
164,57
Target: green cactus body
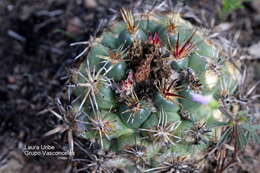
149,72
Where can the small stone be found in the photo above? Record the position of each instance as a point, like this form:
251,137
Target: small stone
74,25
256,20
88,17
223,27
11,79
256,5
254,50
15,164
90,3
26,12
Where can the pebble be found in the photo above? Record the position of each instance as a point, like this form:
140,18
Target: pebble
256,5
74,25
90,3
255,50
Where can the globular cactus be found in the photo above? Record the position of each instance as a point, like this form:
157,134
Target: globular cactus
149,90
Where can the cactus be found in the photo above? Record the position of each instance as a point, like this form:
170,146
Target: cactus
150,89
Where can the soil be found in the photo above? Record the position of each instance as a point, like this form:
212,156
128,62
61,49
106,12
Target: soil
35,52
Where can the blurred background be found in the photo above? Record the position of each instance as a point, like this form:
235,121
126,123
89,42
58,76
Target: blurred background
35,51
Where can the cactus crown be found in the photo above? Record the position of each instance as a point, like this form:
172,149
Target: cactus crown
150,90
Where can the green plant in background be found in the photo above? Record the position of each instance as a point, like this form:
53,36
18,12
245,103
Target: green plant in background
228,6
153,90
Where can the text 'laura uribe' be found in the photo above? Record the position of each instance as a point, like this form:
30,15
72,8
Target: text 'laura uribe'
39,147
